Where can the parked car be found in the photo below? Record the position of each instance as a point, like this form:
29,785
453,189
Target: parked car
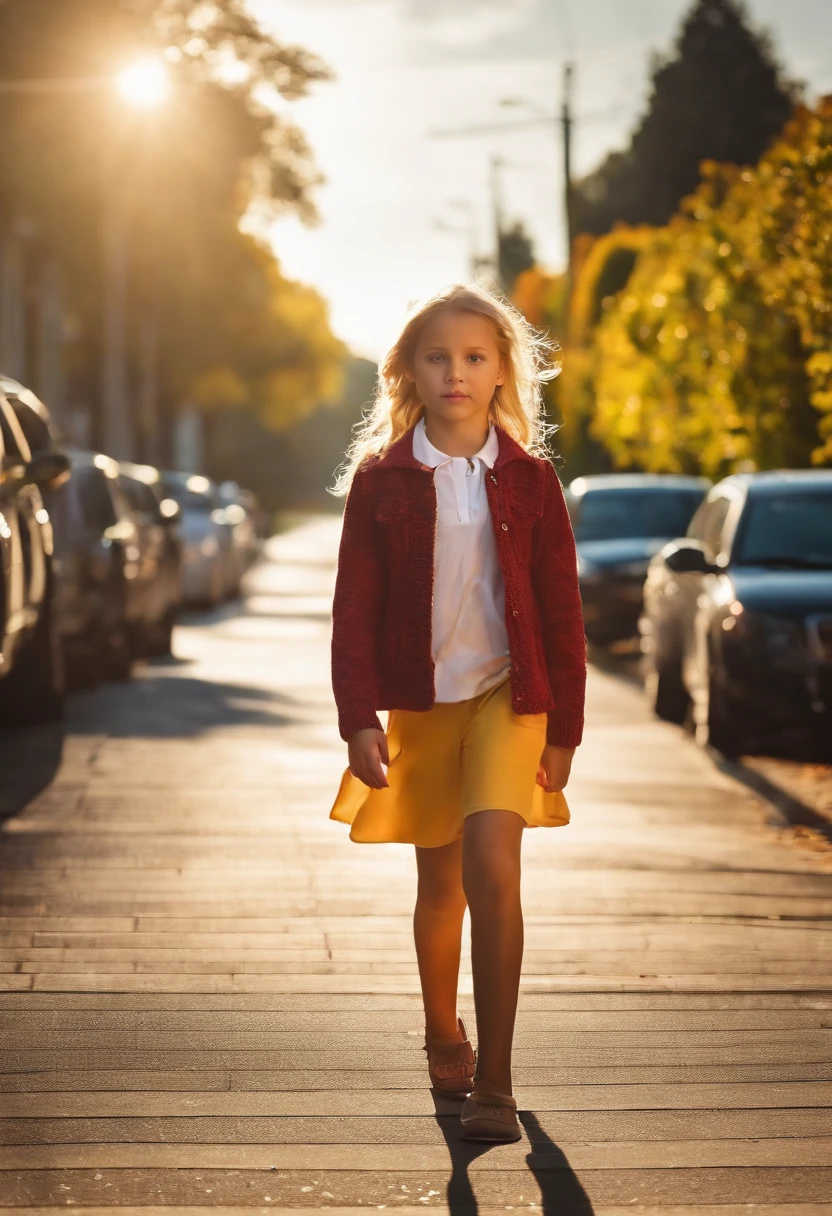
240,508
31,667
738,615
96,570
210,572
156,517
621,520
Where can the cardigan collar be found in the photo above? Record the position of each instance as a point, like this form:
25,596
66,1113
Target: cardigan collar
400,454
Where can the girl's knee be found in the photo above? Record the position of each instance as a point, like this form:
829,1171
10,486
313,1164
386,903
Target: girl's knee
492,880
443,895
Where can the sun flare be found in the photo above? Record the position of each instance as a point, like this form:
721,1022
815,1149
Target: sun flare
145,83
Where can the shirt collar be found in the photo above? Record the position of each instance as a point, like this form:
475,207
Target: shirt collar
426,453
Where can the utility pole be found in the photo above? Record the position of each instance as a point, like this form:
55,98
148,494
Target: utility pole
566,122
561,123
497,216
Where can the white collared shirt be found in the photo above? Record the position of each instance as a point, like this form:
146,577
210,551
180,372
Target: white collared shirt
470,643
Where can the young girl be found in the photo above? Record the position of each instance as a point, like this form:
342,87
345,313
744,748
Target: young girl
457,609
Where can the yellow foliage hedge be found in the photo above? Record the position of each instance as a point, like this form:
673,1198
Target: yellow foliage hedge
718,352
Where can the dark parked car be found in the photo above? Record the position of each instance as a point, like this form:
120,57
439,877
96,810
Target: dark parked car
31,667
160,545
621,520
738,615
96,563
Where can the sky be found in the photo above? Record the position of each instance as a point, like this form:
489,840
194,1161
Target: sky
402,206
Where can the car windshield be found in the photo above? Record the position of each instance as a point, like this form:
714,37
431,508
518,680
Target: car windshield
788,530
622,514
190,500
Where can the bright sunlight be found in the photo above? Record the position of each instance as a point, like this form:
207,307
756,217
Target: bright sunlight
145,84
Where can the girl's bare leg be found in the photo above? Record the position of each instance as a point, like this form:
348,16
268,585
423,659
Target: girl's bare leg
437,931
491,881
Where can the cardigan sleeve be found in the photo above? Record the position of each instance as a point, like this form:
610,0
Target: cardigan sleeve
356,615
555,581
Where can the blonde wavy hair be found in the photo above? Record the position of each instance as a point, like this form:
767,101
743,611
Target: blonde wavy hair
530,357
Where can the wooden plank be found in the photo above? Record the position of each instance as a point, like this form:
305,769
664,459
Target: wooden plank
624,1155
585,1192
207,1074
776,1209
380,1025
530,1001
558,1127
419,1102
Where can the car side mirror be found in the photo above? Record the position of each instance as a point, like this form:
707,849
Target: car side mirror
688,559
46,467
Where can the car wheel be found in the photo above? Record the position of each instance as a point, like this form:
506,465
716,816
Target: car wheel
666,693
33,692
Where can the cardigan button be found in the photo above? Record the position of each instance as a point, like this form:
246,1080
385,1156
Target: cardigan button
515,612
494,479
504,527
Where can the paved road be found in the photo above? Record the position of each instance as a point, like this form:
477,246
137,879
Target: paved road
209,996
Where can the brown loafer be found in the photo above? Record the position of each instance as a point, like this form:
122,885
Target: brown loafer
491,1117
451,1065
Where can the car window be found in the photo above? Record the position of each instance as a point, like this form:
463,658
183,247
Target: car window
787,530
14,441
139,496
708,522
189,501
32,426
96,500
620,514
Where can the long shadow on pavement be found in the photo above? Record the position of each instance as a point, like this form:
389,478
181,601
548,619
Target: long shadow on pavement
561,1193
154,706
29,760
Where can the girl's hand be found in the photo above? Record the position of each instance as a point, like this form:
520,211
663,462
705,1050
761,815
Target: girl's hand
555,764
367,753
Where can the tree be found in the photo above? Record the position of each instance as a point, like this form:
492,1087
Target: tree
515,254
721,96
181,183
717,352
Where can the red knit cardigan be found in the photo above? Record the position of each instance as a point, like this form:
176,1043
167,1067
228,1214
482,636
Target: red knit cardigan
382,610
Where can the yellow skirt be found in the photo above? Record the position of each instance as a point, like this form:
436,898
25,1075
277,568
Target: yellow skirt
449,762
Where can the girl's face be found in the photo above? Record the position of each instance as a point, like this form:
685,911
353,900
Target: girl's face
457,365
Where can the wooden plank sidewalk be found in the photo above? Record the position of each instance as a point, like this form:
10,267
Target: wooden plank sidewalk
208,995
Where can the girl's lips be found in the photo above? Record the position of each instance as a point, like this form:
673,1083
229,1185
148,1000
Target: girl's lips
455,396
